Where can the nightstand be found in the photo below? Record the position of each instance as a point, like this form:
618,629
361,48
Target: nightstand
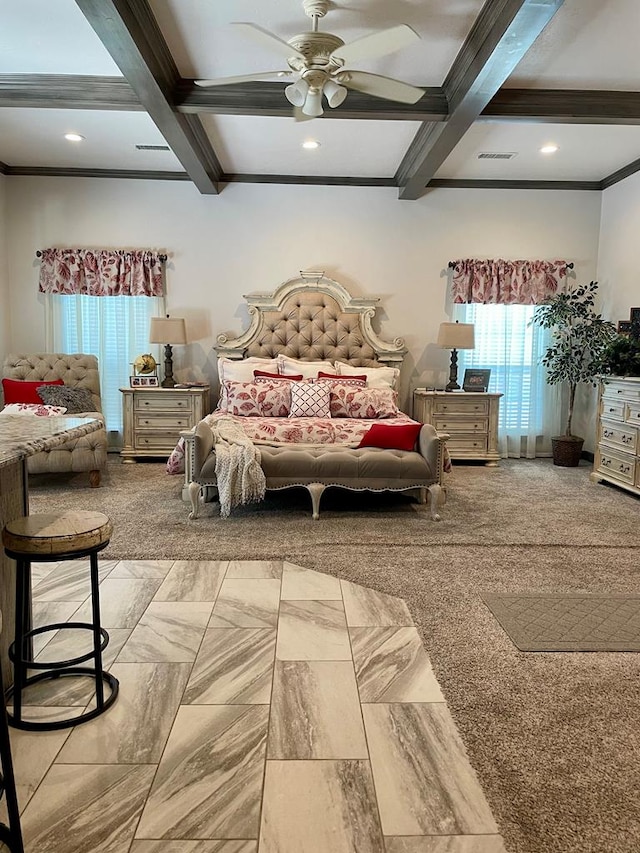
155,417
470,418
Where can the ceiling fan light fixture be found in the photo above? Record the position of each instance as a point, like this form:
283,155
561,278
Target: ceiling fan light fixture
296,93
334,93
313,103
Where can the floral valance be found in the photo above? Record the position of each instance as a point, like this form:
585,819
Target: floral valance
502,282
101,272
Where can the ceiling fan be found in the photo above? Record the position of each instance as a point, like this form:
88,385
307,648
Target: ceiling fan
317,62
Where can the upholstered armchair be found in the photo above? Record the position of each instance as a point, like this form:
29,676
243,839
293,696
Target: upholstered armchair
88,453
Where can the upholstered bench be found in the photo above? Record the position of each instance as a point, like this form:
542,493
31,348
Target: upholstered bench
358,469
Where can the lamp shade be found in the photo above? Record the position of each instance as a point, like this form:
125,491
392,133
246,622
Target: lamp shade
456,336
167,330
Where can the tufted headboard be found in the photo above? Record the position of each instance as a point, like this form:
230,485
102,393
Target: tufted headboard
313,318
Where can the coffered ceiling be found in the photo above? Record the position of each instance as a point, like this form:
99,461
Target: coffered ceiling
500,77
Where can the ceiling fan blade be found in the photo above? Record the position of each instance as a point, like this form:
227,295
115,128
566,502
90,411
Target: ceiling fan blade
377,44
242,78
269,40
380,87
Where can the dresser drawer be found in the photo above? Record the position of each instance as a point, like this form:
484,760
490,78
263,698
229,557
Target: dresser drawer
628,392
467,445
161,402
457,423
461,406
613,409
165,422
617,465
632,413
613,435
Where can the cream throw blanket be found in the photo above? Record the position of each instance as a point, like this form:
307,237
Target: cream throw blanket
238,473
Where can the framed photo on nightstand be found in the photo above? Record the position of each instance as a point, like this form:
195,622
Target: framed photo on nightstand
476,380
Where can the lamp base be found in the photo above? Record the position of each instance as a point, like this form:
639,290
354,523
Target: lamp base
168,381
452,384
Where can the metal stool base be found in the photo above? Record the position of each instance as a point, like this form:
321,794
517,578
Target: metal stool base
52,725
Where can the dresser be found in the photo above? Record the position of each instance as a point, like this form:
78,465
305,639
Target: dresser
470,418
617,456
154,418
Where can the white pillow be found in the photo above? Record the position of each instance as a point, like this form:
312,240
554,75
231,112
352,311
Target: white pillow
230,370
38,409
310,400
377,377
308,369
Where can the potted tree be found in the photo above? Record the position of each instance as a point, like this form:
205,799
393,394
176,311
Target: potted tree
580,338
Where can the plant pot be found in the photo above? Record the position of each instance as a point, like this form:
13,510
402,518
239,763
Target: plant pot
567,450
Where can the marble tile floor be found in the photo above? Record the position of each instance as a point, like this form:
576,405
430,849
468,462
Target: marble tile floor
263,708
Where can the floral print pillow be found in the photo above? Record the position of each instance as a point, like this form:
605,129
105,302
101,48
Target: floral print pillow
258,400
347,402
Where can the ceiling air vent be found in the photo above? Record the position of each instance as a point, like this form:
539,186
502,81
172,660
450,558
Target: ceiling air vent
497,155
152,147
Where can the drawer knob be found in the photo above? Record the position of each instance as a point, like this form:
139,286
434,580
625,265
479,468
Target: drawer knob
612,410
625,469
606,463
607,433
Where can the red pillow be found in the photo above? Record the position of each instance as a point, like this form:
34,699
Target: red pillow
402,437
265,375
335,378
20,391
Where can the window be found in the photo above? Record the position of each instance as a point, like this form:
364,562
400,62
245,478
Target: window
113,328
511,347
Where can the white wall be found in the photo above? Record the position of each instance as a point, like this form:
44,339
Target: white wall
4,281
252,237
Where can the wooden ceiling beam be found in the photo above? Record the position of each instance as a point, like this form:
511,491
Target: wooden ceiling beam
501,35
78,92
564,106
131,34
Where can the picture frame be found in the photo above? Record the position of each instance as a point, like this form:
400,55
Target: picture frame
138,381
476,380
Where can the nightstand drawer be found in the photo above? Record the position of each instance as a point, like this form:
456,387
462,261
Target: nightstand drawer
618,436
617,465
461,406
160,441
457,423
164,422
466,444
163,401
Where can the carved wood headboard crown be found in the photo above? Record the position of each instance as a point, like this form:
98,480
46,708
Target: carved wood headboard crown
313,318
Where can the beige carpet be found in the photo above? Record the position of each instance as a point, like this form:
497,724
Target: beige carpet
554,737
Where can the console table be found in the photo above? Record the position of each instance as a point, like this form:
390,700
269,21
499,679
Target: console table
470,419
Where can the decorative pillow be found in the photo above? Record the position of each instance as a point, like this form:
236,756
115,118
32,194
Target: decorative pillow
310,400
349,402
258,400
232,370
262,376
76,400
21,391
401,437
354,381
38,409
377,377
309,369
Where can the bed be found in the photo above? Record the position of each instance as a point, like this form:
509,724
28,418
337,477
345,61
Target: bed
313,387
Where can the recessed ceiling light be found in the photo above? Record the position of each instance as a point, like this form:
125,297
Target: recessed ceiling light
311,143
549,149
73,137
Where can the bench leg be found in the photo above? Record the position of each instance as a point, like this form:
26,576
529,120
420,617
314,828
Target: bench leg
435,493
316,490
194,497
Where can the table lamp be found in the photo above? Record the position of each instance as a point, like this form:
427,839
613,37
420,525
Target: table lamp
455,336
168,330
